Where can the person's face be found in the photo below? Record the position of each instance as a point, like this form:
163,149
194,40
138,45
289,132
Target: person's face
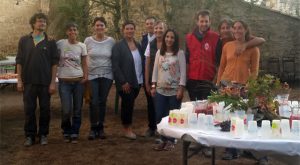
203,23
225,30
99,27
170,39
40,24
150,25
159,30
239,31
72,33
129,31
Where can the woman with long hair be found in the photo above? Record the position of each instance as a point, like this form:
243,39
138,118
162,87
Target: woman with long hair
239,68
159,29
168,81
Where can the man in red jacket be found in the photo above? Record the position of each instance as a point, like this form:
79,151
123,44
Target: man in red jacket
203,51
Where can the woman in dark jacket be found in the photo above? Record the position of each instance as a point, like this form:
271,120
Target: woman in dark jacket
127,64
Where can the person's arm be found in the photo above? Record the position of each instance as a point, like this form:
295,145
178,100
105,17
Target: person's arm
218,59
19,61
182,68
54,63
84,68
222,66
20,86
117,71
253,42
155,73
187,58
147,72
147,69
53,79
254,64
84,63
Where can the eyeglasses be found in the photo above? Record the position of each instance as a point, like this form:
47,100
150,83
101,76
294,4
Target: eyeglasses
41,21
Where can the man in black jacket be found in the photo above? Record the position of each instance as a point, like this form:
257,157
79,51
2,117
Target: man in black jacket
146,39
37,60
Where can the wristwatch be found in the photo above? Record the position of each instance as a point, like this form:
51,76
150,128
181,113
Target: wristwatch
153,86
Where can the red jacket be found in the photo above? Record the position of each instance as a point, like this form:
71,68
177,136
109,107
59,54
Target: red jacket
202,56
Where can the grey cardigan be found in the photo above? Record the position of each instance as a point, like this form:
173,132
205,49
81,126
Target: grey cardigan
123,64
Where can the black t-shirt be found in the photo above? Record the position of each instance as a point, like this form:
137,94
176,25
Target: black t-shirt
37,61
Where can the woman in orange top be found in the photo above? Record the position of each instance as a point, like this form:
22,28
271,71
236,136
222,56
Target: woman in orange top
238,68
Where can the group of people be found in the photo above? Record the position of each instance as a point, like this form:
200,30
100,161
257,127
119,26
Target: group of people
156,63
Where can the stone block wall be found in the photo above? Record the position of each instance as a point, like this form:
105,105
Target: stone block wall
282,32
14,22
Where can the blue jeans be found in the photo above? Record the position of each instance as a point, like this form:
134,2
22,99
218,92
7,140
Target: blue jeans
71,96
163,105
99,91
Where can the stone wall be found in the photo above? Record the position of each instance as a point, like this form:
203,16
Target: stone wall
280,31
14,21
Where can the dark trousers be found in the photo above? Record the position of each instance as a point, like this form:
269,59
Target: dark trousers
151,111
31,94
199,89
127,105
99,91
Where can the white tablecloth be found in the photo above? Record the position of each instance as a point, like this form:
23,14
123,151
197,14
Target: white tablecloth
217,138
8,81
13,81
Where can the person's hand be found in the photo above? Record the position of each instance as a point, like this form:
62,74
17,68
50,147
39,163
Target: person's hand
20,86
239,49
153,92
84,80
52,88
179,94
126,88
148,88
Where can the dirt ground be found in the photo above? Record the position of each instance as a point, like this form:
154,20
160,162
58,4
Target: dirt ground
115,150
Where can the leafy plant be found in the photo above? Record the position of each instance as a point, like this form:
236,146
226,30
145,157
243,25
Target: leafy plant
263,87
231,96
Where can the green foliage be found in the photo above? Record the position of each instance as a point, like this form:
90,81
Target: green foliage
264,86
118,9
72,11
2,56
233,102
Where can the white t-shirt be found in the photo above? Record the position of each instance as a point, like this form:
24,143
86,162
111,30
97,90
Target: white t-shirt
147,51
138,65
70,59
150,39
99,53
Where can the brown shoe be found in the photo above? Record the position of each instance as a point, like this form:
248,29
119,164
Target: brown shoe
160,147
130,135
169,146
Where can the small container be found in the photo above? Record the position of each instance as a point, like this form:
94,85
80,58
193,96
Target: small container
276,128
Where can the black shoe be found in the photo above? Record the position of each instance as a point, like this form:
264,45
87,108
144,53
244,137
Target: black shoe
67,139
229,156
263,161
149,133
29,141
207,152
92,135
101,135
74,140
43,140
